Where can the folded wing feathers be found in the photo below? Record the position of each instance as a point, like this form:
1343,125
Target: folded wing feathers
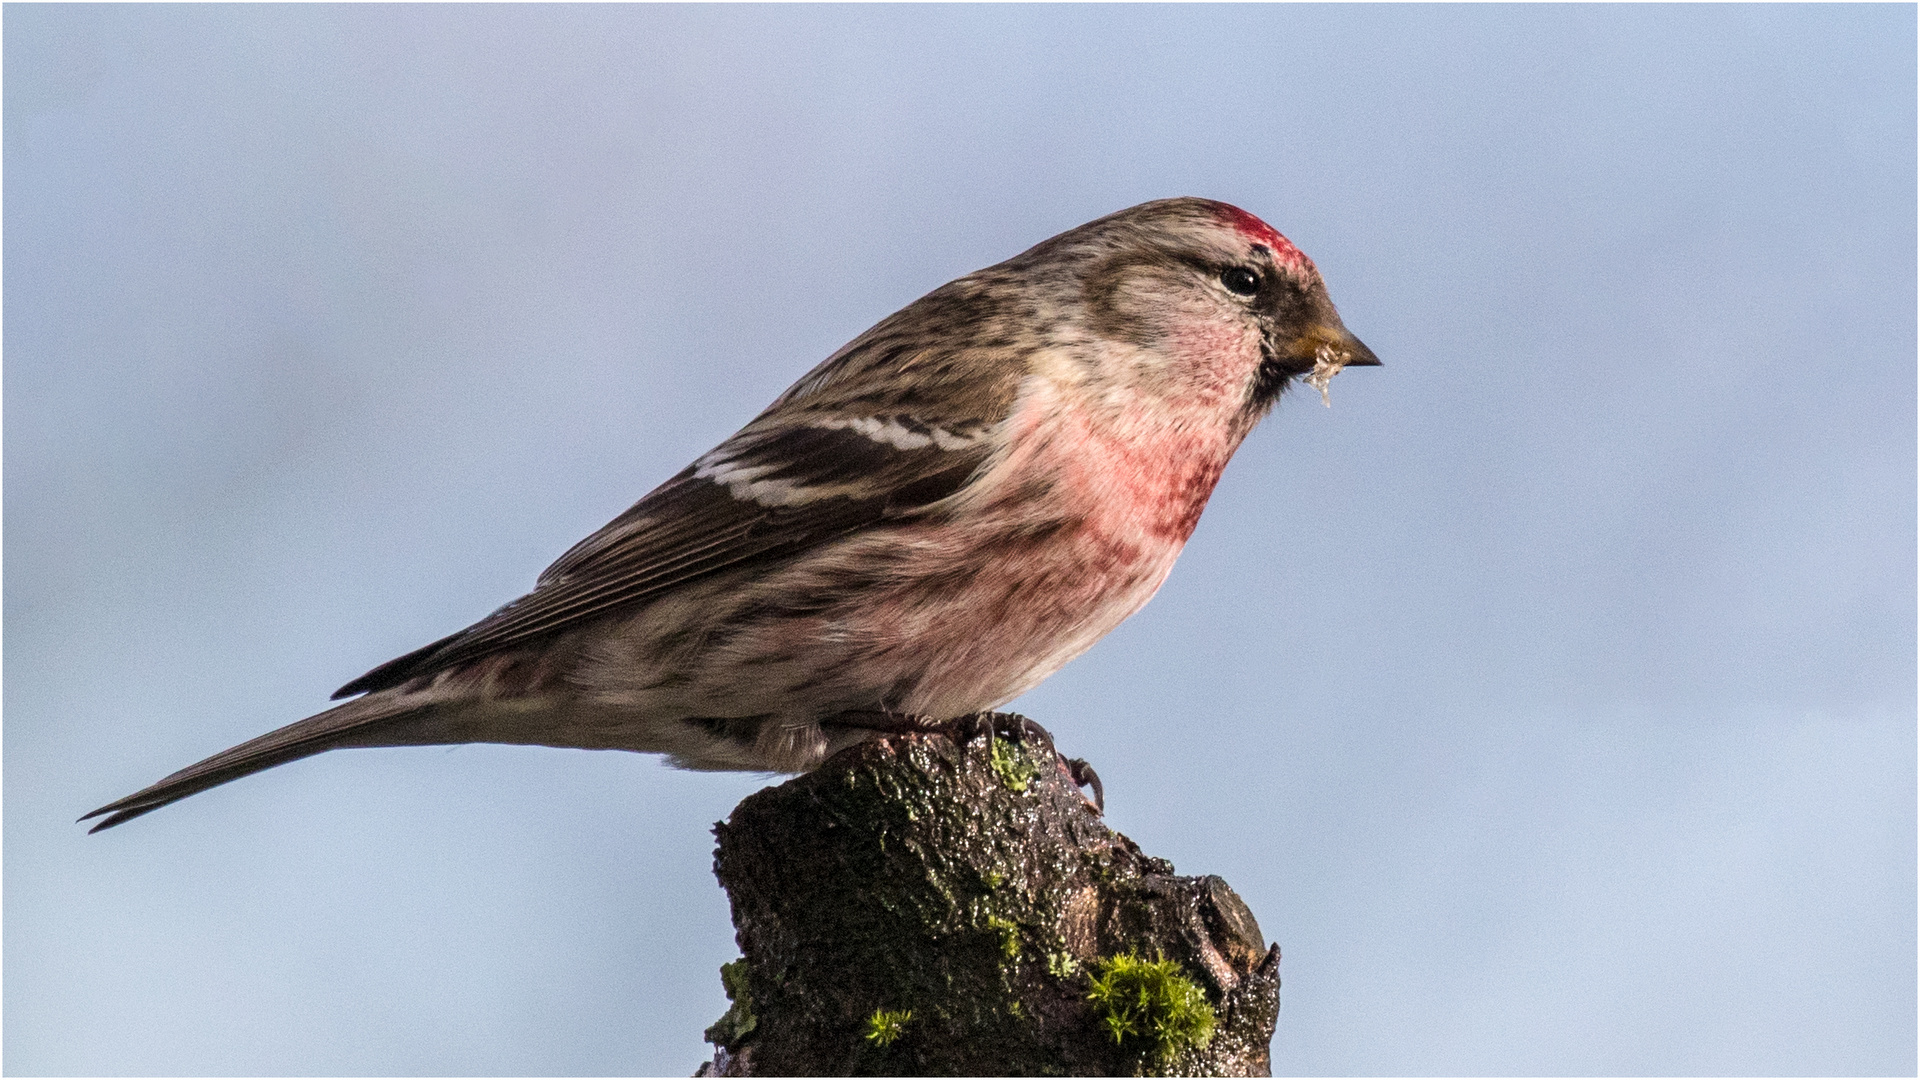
769,493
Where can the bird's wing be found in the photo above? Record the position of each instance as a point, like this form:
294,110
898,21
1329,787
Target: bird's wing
843,451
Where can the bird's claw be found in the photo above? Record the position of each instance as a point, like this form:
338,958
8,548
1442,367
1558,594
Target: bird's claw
1084,776
990,726
1026,729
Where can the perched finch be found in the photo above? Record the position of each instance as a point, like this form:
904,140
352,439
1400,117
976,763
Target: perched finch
925,526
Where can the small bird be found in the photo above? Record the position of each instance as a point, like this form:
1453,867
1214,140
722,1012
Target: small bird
925,526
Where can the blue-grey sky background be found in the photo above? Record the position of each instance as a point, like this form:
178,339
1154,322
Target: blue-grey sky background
1550,699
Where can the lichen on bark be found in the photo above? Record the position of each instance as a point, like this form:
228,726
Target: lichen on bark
970,887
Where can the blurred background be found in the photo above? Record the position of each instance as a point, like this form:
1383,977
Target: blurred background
1550,699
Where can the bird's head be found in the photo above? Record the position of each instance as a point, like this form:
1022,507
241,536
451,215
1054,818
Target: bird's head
1191,299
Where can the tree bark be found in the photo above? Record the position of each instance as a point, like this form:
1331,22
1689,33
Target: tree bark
935,905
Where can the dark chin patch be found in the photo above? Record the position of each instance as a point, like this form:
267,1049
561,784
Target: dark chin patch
1270,381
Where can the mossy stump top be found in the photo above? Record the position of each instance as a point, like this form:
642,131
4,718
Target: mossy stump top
917,907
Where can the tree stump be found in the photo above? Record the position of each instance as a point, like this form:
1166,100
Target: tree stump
935,905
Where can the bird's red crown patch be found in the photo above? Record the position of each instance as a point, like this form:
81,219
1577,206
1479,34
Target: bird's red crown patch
1251,227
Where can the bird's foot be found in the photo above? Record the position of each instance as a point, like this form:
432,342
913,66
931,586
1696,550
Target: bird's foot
992,725
1026,729
962,730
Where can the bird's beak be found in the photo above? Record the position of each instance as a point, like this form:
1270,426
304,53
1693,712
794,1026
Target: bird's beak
1330,340
1358,355
1328,343
1326,349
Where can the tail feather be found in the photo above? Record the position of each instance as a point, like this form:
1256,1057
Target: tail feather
363,722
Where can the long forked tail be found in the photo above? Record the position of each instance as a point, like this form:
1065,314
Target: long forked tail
367,721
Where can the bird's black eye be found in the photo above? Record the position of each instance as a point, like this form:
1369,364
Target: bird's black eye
1240,281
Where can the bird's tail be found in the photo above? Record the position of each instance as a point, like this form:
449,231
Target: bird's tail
375,720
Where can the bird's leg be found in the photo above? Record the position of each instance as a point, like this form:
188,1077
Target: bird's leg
885,721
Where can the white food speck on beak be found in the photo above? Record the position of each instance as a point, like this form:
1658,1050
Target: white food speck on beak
1327,362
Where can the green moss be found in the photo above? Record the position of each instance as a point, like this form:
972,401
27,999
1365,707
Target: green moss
1150,1004
1014,768
1060,965
1009,935
887,1025
732,1029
